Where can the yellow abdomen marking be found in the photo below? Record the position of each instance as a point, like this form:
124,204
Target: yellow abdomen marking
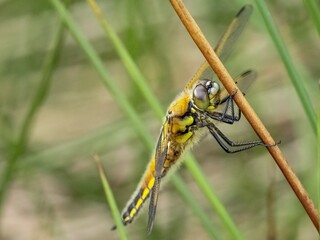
151,183
137,200
138,204
145,193
133,212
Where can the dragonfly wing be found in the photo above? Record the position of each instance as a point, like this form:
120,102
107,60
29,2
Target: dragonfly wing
225,44
243,81
229,37
160,158
233,32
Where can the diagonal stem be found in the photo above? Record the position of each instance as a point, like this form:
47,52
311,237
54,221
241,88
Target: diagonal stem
245,108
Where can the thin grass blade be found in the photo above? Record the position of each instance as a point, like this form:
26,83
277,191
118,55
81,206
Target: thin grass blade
296,80
314,11
110,199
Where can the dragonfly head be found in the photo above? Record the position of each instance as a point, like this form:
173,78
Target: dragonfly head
206,94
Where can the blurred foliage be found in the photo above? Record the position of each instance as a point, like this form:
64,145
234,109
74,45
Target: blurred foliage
55,192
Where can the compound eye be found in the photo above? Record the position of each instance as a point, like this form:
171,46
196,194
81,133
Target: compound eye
200,97
214,88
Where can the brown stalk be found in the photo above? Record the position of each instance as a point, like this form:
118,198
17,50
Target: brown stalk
245,108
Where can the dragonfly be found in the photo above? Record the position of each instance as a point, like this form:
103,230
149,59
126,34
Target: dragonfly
196,111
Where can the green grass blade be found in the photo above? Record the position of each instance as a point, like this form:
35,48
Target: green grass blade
36,102
207,190
96,141
207,224
127,60
106,78
119,95
314,11
112,202
288,63
318,149
213,200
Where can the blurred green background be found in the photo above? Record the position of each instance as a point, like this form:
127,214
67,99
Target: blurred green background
53,190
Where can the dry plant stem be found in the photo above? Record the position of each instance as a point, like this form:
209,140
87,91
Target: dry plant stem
245,108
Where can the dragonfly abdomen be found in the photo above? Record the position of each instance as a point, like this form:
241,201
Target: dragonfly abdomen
140,195
146,184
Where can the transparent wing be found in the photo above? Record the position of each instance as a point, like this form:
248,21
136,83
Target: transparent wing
231,35
160,158
243,81
225,44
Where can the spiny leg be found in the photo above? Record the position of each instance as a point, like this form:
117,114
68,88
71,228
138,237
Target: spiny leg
243,81
222,139
232,117
230,99
224,116
224,147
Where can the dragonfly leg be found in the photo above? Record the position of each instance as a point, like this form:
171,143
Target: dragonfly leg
224,116
232,116
218,116
223,141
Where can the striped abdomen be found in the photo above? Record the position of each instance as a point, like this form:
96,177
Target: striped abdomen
140,195
146,184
